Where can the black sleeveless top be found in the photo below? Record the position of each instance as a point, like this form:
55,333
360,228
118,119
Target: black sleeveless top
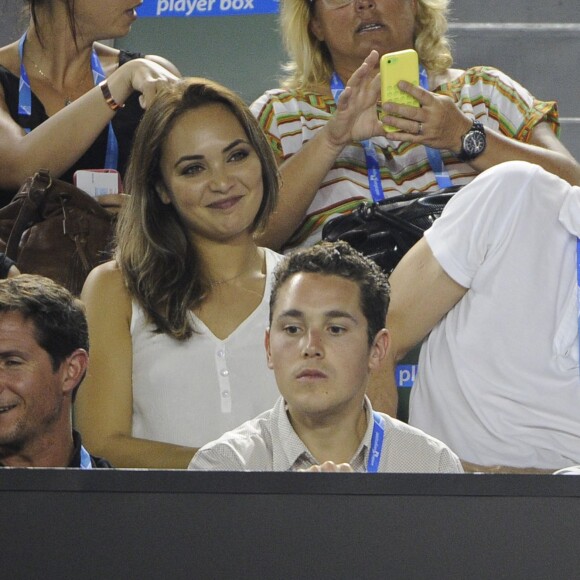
124,123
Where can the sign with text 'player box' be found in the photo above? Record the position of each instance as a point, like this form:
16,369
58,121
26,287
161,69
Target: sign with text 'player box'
196,8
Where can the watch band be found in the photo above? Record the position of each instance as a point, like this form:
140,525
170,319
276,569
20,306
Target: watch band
468,153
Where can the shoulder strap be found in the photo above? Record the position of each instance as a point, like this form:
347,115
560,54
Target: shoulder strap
34,192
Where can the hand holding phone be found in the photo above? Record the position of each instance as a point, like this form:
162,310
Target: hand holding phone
402,65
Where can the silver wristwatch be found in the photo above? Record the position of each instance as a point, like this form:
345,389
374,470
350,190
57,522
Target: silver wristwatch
473,142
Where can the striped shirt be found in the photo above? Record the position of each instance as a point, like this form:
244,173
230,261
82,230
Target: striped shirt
291,118
269,443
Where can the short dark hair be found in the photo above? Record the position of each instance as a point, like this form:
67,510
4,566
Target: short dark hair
58,317
340,259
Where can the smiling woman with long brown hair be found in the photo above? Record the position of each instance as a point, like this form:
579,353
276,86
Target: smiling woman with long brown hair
177,320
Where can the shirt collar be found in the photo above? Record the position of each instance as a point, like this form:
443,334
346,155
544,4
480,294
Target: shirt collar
290,453
287,447
76,456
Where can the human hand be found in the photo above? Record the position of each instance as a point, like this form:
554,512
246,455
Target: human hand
144,76
356,111
112,202
330,467
437,123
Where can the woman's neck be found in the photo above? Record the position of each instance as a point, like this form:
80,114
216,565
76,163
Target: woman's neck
53,42
225,262
58,56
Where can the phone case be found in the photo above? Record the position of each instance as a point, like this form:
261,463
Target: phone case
98,182
398,66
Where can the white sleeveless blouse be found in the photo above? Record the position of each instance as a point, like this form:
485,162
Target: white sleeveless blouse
190,393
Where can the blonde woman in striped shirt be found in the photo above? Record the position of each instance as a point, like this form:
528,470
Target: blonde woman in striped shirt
317,138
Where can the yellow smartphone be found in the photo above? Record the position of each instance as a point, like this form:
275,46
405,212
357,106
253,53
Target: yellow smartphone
402,65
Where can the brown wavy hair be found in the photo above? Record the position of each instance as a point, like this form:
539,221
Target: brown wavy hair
160,265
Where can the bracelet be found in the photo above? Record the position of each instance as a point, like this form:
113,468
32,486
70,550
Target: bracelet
109,98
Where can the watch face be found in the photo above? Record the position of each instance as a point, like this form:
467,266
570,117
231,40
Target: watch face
474,143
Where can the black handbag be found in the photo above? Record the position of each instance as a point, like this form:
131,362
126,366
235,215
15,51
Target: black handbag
57,230
385,230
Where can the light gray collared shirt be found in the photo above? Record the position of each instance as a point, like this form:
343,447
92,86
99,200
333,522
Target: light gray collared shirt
269,443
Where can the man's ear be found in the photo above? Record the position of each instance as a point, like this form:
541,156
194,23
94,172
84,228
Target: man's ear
162,192
267,345
74,369
379,348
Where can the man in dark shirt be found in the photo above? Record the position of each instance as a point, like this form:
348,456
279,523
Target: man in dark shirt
44,348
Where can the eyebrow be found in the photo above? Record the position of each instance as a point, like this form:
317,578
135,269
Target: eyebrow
231,146
295,313
12,352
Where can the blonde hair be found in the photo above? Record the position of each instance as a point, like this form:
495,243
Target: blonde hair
160,265
310,61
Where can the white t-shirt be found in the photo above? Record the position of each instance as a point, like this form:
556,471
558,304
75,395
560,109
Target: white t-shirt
190,392
498,377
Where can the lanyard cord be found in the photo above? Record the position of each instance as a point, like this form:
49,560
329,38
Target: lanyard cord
85,459
434,155
373,168
25,101
376,443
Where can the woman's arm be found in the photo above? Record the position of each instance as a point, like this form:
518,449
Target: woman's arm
104,406
544,149
62,139
355,119
442,125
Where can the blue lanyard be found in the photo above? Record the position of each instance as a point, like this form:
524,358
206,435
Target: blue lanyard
434,155
376,443
373,168
374,172
25,101
86,462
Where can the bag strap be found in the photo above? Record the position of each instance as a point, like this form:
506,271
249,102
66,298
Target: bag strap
393,220
383,210
35,189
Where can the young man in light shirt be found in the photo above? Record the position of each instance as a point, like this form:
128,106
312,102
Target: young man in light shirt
327,315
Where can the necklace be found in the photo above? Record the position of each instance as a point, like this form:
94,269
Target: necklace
68,99
215,283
